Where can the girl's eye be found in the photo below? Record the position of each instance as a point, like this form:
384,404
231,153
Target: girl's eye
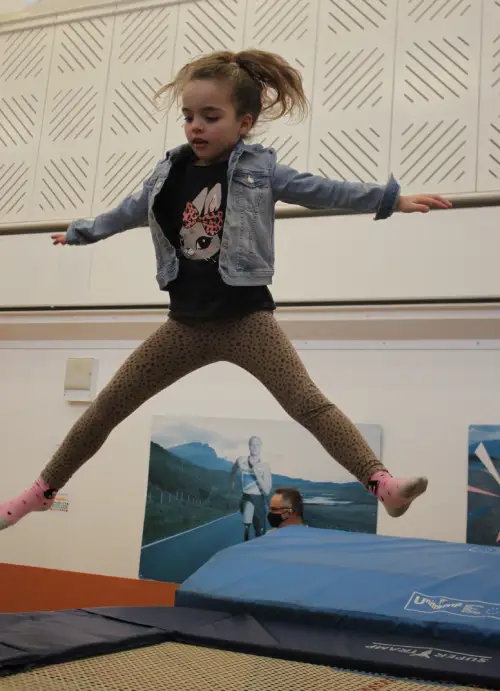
188,118
212,118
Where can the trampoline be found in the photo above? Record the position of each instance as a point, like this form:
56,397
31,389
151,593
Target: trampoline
298,608
173,666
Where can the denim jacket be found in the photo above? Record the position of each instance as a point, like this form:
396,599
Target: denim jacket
255,183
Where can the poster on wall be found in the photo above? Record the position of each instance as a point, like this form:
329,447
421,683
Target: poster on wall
483,506
198,469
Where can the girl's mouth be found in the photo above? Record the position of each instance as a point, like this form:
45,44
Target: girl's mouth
199,143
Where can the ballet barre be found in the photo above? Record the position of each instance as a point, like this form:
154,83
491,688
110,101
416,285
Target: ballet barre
459,201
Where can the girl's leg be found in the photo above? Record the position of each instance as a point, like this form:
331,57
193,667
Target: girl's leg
170,353
259,345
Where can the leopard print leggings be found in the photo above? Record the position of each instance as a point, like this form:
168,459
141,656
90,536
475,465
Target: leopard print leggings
257,344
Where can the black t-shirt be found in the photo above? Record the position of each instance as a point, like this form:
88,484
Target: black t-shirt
190,210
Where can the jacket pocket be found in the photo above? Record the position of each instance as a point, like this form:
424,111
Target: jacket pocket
248,189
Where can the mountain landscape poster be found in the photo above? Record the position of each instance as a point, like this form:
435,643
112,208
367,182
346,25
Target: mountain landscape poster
483,510
195,503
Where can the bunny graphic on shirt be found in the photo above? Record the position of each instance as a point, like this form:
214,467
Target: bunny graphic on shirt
202,222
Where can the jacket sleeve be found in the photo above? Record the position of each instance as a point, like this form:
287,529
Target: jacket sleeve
130,213
316,192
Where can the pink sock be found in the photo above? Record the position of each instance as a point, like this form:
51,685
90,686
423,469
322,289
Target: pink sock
39,497
396,494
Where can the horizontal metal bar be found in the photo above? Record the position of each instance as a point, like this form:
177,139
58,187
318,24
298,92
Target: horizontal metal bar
459,201
476,200
383,306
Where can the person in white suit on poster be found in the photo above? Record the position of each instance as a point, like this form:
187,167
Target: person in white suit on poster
257,482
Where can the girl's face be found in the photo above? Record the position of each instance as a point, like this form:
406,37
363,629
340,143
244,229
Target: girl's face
210,122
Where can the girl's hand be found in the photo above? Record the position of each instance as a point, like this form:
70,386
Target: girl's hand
58,238
422,203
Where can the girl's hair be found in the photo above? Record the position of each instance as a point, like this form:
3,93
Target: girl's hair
264,84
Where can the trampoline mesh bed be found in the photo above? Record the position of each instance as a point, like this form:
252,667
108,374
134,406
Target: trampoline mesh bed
177,666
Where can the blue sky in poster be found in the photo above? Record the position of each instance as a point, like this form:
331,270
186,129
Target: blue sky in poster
287,447
489,435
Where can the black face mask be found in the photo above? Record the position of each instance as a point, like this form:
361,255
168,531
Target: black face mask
275,519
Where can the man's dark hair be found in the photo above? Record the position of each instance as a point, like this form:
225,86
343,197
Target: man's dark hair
293,498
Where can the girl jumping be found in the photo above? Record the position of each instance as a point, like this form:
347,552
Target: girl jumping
210,205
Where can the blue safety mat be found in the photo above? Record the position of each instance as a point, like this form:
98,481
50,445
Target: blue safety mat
28,641
36,638
372,583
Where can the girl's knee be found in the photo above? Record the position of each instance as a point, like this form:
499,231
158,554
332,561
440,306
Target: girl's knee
302,408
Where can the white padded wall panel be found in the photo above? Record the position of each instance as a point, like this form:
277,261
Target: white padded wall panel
289,28
134,127
488,174
204,26
73,118
394,86
19,280
353,90
24,69
131,280
46,275
438,57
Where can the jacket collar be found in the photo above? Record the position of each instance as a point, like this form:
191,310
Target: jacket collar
185,150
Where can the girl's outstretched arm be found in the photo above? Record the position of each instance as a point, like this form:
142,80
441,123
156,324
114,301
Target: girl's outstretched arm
130,213
316,192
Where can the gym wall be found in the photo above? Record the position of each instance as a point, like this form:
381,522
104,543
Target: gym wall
401,86
423,394
405,87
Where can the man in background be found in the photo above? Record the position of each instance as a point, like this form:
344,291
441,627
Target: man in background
286,508
257,482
